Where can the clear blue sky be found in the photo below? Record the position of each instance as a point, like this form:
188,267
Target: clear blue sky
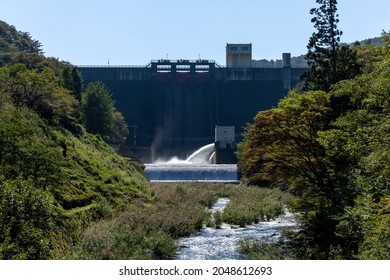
89,32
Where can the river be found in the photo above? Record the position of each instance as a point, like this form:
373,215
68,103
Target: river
222,244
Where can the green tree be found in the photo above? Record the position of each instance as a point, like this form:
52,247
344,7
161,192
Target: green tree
281,145
282,148
337,165
120,129
21,41
97,109
100,116
365,130
71,80
77,83
329,62
37,90
26,221
25,149
13,42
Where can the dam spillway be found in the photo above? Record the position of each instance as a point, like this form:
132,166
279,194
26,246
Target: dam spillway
226,173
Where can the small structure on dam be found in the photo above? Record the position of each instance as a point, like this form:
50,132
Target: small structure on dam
225,145
239,55
173,106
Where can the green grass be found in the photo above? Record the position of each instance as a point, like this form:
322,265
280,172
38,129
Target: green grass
83,179
92,170
149,230
217,218
261,250
251,204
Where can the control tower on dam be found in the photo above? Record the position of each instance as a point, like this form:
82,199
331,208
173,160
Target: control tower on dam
173,106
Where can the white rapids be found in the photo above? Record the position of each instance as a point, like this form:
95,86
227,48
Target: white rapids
222,244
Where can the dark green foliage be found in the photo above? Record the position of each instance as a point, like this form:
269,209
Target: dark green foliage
324,43
329,62
26,220
53,184
331,151
38,62
120,130
365,127
282,142
13,40
37,90
71,80
97,109
261,250
25,150
72,171
100,116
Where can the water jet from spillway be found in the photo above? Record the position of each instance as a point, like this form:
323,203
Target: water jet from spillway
202,155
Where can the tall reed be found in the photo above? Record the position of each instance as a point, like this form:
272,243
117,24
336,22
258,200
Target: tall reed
251,204
149,231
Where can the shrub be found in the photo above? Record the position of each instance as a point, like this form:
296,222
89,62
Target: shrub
250,204
149,231
260,250
217,219
26,221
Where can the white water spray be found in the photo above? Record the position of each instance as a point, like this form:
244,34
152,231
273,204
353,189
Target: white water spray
202,155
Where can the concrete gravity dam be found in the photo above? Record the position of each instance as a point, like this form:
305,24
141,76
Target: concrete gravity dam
173,106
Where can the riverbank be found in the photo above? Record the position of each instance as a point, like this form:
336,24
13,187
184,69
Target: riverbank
151,230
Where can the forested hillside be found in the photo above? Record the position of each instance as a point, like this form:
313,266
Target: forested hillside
300,61
329,145
55,176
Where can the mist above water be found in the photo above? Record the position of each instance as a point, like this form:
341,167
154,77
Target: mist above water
200,156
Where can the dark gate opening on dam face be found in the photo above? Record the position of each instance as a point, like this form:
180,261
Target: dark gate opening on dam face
173,106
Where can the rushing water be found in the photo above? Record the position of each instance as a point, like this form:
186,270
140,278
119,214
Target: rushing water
196,167
192,172
202,155
222,244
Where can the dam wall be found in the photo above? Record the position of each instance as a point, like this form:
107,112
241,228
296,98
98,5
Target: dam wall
172,107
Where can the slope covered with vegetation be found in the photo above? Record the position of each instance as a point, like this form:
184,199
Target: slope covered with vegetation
328,144
55,176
